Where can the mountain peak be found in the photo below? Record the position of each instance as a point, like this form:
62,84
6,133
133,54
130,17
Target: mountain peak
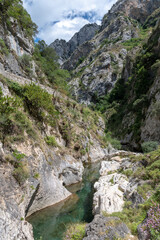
65,49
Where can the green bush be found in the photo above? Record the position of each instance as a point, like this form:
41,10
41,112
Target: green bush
75,231
50,140
15,87
13,122
21,174
133,42
21,171
113,141
26,63
39,103
3,47
8,107
149,146
156,109
14,9
19,156
46,58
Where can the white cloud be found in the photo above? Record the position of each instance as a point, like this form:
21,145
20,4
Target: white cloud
45,12
64,29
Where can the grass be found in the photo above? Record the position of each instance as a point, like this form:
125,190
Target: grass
113,141
3,48
76,231
51,141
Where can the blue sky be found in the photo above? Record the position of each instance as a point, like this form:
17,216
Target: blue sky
62,18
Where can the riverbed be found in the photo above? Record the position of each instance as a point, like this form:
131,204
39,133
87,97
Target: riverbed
51,223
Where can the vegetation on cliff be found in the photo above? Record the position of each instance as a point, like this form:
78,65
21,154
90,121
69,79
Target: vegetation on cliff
131,96
13,9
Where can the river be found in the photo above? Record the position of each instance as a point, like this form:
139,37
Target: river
51,223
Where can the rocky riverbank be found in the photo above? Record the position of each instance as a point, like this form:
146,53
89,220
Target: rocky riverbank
114,186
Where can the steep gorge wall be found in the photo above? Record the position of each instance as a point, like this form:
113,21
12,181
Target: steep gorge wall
97,64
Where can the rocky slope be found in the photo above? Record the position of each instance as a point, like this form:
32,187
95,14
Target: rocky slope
105,54
108,61
65,49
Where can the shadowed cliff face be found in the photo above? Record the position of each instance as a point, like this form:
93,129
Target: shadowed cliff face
137,112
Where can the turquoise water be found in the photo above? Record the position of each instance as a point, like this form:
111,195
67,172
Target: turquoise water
51,223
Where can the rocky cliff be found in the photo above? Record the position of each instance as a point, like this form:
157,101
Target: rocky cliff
138,97
65,49
97,64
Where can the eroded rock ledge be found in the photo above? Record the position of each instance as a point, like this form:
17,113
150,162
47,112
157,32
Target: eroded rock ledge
113,187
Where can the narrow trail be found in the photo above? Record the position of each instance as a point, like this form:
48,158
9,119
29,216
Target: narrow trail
22,81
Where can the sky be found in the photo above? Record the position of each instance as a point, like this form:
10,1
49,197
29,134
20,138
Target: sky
61,19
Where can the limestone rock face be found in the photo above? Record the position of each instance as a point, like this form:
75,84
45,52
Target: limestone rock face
65,49
103,58
112,186
136,9
17,44
98,63
102,228
148,124
61,48
109,193
12,211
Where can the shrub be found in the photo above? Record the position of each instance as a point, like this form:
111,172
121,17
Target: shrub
18,156
3,47
149,146
113,141
75,232
36,175
15,87
127,172
39,104
26,63
133,42
50,140
14,9
152,225
8,107
24,124
12,120
156,109
21,174
46,58
21,171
